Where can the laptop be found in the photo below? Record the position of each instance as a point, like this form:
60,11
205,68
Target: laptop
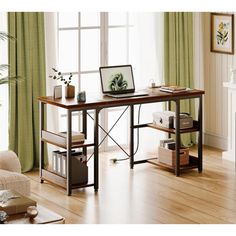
118,82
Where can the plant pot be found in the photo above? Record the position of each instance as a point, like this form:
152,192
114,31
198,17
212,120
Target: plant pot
69,91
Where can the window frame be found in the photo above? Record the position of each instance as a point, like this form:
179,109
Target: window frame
104,53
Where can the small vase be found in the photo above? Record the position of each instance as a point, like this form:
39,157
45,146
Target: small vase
69,91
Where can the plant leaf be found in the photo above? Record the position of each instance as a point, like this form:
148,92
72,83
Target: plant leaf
5,36
4,67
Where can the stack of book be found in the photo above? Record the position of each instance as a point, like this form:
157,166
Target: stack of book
173,89
77,137
13,203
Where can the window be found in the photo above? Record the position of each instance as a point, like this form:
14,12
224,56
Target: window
86,42
4,87
89,40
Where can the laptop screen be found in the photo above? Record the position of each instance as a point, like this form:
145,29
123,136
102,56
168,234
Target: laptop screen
117,79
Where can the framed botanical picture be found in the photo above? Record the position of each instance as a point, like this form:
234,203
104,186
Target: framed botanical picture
222,33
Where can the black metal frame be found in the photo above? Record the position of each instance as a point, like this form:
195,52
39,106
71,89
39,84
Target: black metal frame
69,186
177,133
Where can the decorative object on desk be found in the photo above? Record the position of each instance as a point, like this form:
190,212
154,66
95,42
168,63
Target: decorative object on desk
222,33
32,212
57,92
153,85
16,203
3,217
81,97
232,75
69,89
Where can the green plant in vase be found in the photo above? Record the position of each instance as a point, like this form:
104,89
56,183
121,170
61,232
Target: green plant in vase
69,89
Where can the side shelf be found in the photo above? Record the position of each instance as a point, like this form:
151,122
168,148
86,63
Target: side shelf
53,178
195,128
193,163
60,141
59,180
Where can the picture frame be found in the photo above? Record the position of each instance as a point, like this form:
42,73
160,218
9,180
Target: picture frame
222,33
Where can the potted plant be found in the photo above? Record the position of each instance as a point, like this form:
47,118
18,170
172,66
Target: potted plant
69,89
6,79
3,80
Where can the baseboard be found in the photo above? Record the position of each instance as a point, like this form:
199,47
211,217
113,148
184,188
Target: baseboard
228,155
215,141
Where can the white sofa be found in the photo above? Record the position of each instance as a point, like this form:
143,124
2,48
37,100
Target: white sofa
10,174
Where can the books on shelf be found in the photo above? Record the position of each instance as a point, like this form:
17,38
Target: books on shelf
173,89
77,137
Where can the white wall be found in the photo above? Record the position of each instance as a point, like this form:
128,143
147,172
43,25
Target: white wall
212,69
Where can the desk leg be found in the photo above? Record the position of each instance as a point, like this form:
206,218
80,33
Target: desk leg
68,156
177,134
131,136
169,109
85,129
200,135
41,146
96,150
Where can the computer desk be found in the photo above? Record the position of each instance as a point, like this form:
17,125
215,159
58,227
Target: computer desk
97,103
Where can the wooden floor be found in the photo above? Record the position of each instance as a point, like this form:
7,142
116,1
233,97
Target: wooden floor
148,194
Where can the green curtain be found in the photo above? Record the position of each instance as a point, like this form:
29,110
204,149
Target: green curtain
178,59
27,62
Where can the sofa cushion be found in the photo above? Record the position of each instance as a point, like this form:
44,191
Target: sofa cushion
14,181
9,161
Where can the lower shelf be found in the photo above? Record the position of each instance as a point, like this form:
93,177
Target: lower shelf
59,180
193,163
54,178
